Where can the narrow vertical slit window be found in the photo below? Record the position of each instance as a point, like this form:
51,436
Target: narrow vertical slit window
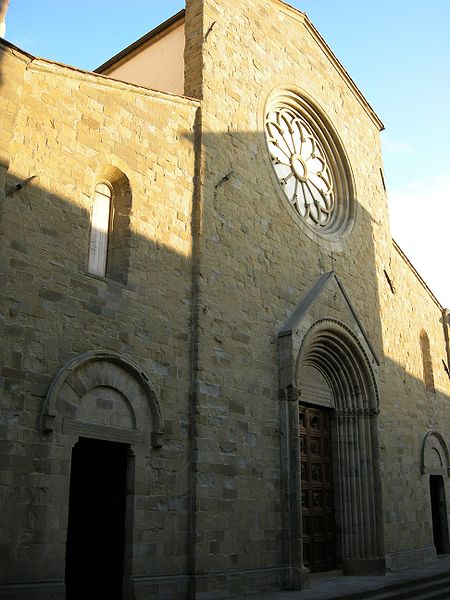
100,227
428,376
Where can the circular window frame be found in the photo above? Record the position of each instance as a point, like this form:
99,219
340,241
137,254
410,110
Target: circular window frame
334,235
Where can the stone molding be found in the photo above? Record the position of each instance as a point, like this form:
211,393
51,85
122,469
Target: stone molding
292,334
39,590
403,559
209,582
442,451
49,409
102,432
342,353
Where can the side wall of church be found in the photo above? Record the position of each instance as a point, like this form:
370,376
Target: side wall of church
409,410
68,130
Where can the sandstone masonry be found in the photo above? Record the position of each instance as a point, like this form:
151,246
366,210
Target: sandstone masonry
230,316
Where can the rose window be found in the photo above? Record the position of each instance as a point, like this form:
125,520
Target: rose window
301,166
309,164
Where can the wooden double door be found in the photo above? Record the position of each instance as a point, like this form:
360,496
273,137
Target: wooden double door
319,539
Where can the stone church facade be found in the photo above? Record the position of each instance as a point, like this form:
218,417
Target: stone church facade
218,371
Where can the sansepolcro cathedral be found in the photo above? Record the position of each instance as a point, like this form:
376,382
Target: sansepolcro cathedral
218,372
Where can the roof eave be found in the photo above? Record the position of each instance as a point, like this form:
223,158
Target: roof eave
335,61
142,41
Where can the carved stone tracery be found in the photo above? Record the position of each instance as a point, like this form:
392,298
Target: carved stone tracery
301,165
310,165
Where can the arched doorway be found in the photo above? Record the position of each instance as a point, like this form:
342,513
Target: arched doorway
333,502
435,462
96,526
103,415
335,377
439,514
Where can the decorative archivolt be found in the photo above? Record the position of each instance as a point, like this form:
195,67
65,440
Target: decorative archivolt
331,347
332,355
100,369
434,456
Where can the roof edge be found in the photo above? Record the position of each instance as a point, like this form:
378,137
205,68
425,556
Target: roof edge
38,62
417,274
148,37
8,46
99,79
335,61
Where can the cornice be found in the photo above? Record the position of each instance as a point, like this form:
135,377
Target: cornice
417,275
143,42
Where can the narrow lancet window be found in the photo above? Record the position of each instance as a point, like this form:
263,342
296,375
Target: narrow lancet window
428,376
100,226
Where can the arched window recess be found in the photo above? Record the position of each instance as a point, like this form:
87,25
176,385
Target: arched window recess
101,218
109,245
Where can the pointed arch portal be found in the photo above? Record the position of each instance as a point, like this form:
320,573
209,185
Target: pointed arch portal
329,396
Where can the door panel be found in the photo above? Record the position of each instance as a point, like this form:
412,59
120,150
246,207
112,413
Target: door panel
319,546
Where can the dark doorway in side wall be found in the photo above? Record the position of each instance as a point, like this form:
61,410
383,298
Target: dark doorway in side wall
96,527
439,514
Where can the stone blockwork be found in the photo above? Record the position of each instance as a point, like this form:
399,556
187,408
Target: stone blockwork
256,267
257,264
186,350
409,410
66,128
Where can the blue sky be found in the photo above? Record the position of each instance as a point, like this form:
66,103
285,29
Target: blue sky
397,52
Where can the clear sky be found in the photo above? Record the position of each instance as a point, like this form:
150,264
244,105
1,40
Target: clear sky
397,52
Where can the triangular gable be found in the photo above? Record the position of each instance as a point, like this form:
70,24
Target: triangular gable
326,300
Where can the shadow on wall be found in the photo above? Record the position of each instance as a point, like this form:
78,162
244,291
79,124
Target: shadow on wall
52,311
255,267
260,266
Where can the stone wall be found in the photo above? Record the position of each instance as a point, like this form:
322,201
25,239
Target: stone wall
67,128
409,410
256,266
217,265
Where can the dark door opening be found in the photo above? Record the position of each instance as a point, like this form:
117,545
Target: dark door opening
439,514
96,527
319,544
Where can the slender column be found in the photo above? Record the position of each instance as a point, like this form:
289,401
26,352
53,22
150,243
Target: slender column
355,491
377,495
366,550
365,479
339,469
350,533
297,573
